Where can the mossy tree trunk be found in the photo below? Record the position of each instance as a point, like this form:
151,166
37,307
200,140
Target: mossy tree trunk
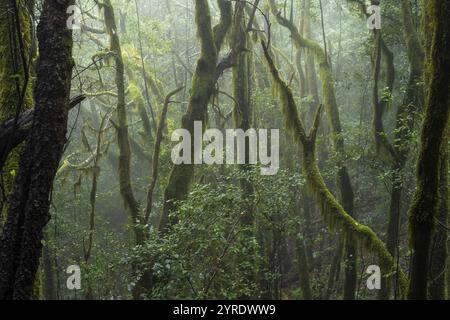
424,209
15,47
242,107
21,242
332,212
329,100
203,87
439,251
123,140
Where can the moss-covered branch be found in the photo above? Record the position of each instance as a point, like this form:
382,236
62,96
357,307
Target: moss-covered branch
329,101
333,213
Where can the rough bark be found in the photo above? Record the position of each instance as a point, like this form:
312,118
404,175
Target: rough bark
21,243
15,84
439,251
424,208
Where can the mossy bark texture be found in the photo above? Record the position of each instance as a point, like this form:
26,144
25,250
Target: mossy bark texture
12,79
424,209
123,140
21,242
203,87
242,107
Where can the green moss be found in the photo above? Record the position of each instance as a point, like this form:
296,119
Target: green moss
126,190
203,86
8,77
332,212
425,204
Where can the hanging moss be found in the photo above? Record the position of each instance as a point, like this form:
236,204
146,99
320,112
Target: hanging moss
329,101
332,212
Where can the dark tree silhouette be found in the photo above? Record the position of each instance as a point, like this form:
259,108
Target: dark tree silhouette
21,243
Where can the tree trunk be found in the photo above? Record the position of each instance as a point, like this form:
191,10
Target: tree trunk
424,209
21,243
15,85
242,107
438,275
203,87
126,189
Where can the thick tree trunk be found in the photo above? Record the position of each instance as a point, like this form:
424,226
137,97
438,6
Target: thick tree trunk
424,209
15,84
439,254
21,243
203,82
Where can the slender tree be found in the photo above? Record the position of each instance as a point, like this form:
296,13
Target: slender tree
329,100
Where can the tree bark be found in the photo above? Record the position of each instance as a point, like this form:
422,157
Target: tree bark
21,243
439,254
426,199
203,82
126,190
12,134
242,106
15,85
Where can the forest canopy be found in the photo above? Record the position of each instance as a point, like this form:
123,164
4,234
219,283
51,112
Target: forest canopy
224,149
